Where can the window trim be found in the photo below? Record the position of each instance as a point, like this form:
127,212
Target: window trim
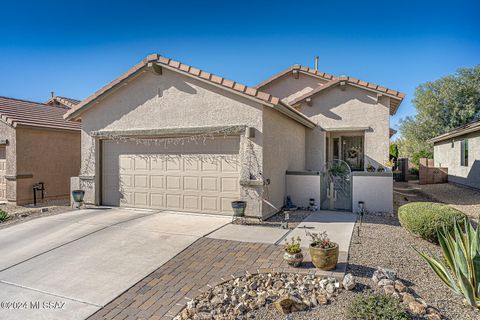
464,152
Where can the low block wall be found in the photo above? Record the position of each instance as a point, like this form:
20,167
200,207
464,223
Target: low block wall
303,185
375,189
429,174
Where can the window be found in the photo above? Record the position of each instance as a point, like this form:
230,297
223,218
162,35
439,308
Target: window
464,153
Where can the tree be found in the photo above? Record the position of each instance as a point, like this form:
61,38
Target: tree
393,151
442,105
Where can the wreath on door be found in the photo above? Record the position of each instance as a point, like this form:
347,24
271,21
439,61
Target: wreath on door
352,154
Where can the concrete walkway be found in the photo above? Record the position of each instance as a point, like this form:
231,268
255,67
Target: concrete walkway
70,265
339,227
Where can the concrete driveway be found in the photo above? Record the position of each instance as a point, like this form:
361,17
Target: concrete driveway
70,265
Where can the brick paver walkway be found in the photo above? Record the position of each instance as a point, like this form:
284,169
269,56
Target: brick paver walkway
207,262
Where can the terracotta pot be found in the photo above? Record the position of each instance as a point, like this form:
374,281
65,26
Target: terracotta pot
293,259
324,259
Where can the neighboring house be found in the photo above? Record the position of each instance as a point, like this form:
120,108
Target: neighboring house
169,136
36,145
58,101
459,151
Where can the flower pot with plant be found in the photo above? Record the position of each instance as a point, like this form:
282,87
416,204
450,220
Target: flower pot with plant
323,251
293,253
370,168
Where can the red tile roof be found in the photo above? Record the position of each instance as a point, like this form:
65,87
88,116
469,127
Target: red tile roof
191,71
63,101
17,112
333,81
304,69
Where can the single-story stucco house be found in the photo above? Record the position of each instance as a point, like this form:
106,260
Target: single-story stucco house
459,151
37,145
167,135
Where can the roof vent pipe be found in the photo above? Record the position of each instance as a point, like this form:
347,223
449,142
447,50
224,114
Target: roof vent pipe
316,63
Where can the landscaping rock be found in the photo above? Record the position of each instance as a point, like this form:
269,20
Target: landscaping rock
417,308
385,282
349,282
407,298
322,299
384,273
239,297
288,304
399,286
389,290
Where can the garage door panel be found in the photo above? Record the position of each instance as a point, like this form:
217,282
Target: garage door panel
157,181
191,202
210,203
191,183
140,163
196,178
157,200
141,181
210,184
173,183
230,184
140,199
173,163
210,165
173,201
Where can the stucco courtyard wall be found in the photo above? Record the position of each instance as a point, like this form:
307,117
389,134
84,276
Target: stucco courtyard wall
284,149
8,133
446,155
48,156
349,108
173,100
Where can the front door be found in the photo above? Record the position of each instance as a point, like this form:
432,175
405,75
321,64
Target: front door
352,152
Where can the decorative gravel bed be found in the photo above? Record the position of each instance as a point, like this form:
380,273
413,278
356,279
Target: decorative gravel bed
383,242
462,198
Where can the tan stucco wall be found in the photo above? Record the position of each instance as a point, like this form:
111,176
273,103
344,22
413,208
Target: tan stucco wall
172,100
7,132
290,88
352,107
447,156
284,149
51,156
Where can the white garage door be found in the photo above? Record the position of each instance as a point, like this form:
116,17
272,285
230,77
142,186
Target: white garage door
195,177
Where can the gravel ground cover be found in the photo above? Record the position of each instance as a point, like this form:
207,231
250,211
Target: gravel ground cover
461,198
383,242
19,214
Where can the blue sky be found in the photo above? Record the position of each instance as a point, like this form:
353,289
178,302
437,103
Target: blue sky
74,48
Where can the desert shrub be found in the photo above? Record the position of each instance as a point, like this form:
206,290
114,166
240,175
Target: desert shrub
414,171
425,218
3,216
376,306
459,268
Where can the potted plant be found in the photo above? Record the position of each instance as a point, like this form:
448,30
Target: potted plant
370,168
380,168
239,208
293,253
323,251
77,196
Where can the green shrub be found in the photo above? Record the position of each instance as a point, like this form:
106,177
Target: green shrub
376,307
425,218
3,216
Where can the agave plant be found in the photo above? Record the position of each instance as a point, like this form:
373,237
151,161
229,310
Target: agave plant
460,267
